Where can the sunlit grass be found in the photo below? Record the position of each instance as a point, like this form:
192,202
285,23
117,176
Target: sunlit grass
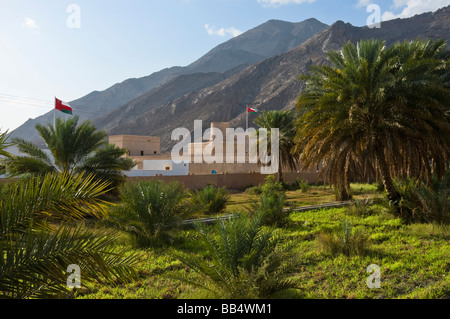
414,259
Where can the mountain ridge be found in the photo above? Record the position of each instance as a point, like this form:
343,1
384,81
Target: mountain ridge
225,57
273,83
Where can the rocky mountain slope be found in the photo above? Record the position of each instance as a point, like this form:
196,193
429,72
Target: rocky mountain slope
271,38
272,83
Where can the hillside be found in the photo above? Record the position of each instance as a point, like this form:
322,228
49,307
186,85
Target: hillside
264,41
272,83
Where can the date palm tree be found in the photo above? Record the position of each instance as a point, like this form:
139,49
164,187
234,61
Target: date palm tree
35,254
244,260
73,149
377,109
284,121
3,145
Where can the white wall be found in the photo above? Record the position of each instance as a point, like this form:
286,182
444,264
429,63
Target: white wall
158,167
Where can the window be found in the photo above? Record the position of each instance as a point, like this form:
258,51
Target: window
142,153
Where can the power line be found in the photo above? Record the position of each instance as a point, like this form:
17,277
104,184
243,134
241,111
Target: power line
38,103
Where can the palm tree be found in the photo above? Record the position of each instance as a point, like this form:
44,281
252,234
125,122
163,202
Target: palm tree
37,246
244,260
150,211
377,109
74,149
284,121
3,145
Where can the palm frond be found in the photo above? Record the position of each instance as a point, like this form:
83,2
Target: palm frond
35,265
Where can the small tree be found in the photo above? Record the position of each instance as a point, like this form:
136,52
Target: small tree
74,149
34,255
150,211
210,200
284,121
271,203
3,145
244,261
377,110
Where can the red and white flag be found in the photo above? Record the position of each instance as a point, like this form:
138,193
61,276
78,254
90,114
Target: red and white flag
63,107
251,110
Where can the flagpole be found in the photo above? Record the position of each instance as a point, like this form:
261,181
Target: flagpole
246,112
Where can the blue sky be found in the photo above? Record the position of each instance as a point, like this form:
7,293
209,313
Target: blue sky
49,48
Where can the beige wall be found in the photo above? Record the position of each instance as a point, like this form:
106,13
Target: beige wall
230,181
137,145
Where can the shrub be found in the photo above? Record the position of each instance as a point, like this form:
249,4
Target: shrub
271,203
271,186
253,190
361,208
421,203
343,240
272,208
150,211
210,200
244,260
302,185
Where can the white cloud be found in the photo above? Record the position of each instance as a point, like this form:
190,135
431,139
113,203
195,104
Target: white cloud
277,3
409,8
363,3
222,31
30,23
412,7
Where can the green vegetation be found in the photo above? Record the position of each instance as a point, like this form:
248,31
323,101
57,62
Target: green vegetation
322,253
284,122
74,149
343,240
35,252
425,203
376,114
210,200
149,211
243,260
271,205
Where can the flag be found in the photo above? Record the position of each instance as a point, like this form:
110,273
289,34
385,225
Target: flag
251,110
63,106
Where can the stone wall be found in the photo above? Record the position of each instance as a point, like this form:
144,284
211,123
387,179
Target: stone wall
230,181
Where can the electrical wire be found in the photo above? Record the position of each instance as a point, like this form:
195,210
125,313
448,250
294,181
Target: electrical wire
39,103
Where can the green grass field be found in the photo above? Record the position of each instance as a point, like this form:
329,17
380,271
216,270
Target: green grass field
414,260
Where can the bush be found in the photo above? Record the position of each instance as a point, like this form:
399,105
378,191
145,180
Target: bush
271,203
244,260
421,203
272,208
343,240
210,200
271,186
150,211
361,208
302,185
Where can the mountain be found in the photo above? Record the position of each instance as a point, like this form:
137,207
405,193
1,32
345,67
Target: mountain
271,83
271,38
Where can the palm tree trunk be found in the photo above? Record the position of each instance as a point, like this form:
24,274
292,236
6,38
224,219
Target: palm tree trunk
280,172
391,192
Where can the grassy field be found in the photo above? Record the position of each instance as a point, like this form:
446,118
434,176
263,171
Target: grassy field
414,260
